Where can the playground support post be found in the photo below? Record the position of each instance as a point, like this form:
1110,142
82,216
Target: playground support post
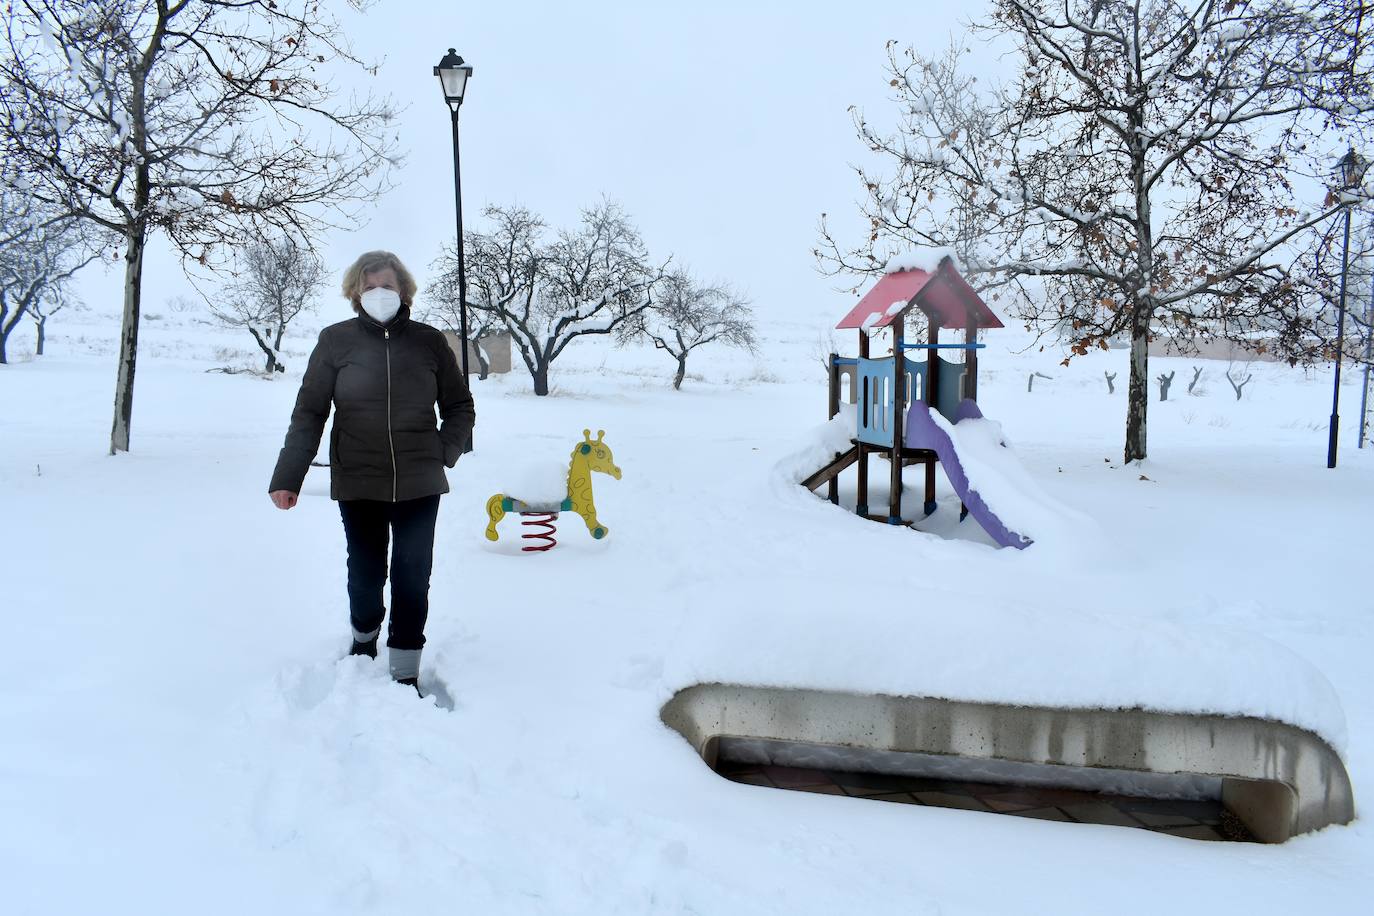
833,405
1340,346
932,394
861,500
932,386
971,359
899,399
929,506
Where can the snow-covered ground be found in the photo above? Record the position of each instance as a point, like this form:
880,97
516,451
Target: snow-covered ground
179,733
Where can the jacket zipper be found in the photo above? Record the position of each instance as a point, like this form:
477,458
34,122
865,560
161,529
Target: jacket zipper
391,442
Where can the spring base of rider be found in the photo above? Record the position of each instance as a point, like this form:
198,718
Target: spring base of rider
543,540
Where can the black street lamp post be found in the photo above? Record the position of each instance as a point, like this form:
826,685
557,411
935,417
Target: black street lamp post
1351,173
453,77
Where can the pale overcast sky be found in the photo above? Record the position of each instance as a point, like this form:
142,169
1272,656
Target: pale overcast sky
722,127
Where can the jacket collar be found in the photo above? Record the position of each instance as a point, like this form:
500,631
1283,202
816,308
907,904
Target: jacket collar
395,325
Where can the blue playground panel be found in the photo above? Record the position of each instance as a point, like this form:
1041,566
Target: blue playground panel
875,402
876,396
951,387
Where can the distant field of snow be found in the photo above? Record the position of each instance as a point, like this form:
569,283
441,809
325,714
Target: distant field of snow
180,734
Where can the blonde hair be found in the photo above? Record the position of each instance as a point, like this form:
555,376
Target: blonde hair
370,263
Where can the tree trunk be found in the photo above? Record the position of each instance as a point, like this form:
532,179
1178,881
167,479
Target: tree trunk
541,379
136,239
5,328
1141,297
483,362
128,340
42,335
276,348
265,348
1138,395
9,322
681,372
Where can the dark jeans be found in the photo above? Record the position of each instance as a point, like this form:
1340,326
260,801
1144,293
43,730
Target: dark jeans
367,526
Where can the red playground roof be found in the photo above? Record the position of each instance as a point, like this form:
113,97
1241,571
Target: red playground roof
943,295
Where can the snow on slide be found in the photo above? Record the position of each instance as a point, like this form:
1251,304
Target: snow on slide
987,476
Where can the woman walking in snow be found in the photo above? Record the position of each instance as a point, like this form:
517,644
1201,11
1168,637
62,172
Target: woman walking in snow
384,374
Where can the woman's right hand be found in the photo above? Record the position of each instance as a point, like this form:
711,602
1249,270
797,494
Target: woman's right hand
283,499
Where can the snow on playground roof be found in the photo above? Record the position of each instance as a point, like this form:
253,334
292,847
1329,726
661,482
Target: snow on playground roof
942,292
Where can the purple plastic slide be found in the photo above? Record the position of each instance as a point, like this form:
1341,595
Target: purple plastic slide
922,432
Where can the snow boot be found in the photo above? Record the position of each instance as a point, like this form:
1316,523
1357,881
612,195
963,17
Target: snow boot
405,667
365,643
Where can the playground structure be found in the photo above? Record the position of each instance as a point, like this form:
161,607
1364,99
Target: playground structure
897,395
588,456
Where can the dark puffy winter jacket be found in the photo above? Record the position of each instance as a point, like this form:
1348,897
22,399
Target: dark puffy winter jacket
384,383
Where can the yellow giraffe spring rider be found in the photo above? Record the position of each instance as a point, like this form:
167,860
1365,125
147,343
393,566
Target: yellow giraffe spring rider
587,456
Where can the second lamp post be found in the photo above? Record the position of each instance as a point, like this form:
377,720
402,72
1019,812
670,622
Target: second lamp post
453,77
1351,175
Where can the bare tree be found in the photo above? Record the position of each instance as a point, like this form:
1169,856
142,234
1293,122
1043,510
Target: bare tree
59,299
1197,376
213,122
1238,385
687,315
38,257
1164,382
589,280
1142,169
276,281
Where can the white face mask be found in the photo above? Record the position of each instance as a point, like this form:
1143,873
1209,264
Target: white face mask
382,304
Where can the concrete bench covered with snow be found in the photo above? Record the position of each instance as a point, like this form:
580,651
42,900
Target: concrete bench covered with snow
1280,780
